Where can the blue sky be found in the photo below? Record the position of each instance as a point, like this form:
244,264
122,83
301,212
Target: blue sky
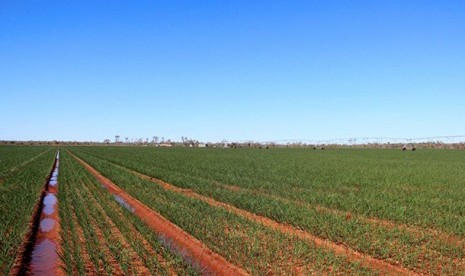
235,70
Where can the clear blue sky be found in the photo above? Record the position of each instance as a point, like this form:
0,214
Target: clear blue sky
236,70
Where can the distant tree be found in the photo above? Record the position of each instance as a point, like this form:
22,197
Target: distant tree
187,142
117,138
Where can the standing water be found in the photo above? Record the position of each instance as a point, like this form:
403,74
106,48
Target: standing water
44,257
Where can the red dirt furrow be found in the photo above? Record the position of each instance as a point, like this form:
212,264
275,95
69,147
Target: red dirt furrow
39,254
366,260
200,253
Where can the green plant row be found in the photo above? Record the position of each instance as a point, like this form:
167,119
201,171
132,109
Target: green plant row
417,251
88,210
12,158
19,193
247,244
423,188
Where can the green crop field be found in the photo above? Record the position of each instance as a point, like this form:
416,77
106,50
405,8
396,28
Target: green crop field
23,171
232,138
278,211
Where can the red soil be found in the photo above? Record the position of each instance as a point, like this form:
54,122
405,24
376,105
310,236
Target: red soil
211,261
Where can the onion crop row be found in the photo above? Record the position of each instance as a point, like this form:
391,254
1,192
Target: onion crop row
19,193
12,158
245,243
424,188
101,236
420,251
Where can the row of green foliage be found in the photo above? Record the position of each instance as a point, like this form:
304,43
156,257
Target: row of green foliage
423,188
85,205
335,179
248,244
12,158
19,193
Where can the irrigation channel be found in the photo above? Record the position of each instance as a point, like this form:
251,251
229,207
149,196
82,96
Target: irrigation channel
40,256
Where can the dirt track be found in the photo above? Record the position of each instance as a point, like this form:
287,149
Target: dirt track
209,261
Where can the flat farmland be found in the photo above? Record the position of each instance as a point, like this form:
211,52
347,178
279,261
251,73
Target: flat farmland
148,210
